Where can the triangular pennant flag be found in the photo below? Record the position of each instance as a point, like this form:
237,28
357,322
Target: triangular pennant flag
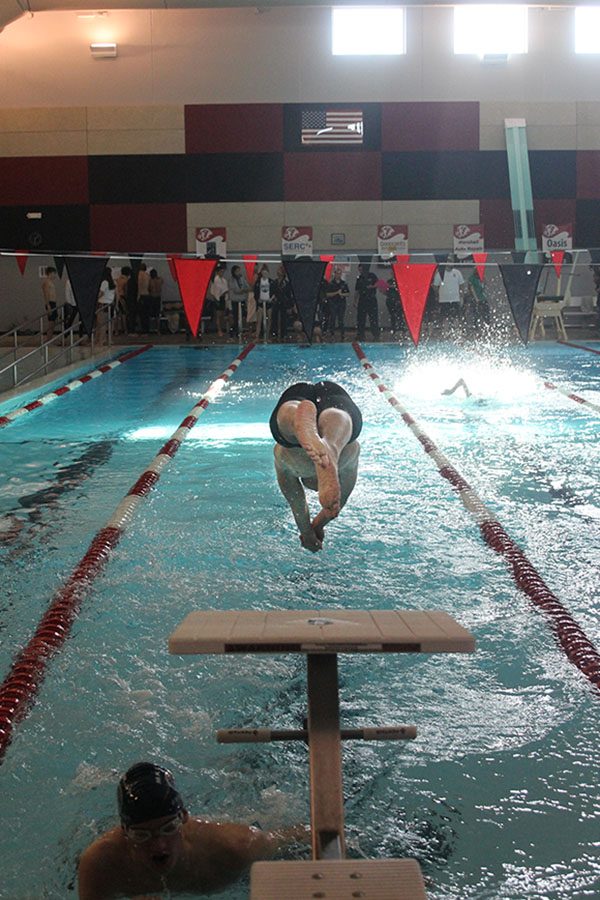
172,269
85,274
305,277
557,260
365,260
21,261
518,256
193,277
249,263
440,258
480,260
413,283
325,257
521,287
60,265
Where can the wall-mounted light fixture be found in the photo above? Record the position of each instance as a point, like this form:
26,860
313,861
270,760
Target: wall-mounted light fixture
103,51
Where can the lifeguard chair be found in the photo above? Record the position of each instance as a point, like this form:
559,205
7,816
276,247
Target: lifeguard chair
321,636
548,307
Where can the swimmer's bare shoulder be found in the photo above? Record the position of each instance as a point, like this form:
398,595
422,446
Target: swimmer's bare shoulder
219,852
102,868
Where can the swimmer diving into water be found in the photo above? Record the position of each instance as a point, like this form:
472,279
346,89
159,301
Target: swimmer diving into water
315,427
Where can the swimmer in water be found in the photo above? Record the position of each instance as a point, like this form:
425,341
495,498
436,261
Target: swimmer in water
315,427
159,847
461,383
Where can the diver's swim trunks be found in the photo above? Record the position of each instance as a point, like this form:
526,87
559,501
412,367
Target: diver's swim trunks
325,395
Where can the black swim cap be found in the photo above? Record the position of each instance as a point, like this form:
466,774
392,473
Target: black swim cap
147,791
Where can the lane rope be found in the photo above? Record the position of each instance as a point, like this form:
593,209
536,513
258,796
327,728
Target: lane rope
572,396
71,386
570,636
580,347
19,688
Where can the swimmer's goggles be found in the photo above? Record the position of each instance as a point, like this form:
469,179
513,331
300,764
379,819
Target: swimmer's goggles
141,835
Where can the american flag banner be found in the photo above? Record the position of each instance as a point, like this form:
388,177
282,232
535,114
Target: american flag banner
332,126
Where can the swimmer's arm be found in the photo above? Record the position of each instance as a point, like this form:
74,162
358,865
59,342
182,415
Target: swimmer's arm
292,490
96,874
245,844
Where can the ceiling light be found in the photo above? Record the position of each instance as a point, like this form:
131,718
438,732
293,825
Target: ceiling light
103,51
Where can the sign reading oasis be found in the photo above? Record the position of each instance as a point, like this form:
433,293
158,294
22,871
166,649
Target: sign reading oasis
211,241
296,240
557,237
468,239
392,240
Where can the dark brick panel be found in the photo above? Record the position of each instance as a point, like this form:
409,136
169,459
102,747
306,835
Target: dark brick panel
430,126
587,232
234,128
207,178
43,180
61,228
449,175
552,173
332,176
158,227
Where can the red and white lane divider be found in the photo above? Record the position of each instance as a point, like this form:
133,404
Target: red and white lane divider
575,643
580,347
571,396
19,688
71,386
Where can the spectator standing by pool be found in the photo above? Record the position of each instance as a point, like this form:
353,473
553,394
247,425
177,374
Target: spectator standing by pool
49,295
155,287
365,291
238,296
337,292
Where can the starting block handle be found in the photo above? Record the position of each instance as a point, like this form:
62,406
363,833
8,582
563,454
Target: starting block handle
265,735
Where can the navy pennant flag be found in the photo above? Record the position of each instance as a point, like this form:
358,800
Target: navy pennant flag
85,275
521,288
332,126
305,277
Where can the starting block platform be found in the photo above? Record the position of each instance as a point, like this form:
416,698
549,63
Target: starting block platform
321,635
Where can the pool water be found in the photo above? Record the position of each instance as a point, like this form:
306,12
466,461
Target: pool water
497,797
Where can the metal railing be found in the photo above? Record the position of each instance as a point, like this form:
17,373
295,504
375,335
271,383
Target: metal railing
65,340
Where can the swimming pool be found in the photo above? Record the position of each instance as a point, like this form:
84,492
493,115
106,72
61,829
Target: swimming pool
497,797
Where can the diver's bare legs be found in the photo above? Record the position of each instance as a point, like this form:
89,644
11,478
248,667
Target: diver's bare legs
460,383
323,442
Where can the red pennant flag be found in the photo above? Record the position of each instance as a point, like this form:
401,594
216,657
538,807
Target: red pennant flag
172,269
249,261
413,283
557,258
329,260
480,259
21,261
193,276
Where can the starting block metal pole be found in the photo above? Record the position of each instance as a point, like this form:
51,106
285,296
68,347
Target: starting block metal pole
325,747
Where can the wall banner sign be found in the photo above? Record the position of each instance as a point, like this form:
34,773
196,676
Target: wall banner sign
297,240
211,241
557,237
392,240
468,239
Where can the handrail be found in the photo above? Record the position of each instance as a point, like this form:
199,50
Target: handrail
43,348
27,322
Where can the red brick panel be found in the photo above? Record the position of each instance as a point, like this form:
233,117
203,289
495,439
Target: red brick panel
332,176
131,228
497,218
588,174
558,212
234,128
43,180
430,126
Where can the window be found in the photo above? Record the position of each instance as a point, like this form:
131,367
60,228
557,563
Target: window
368,31
490,30
587,23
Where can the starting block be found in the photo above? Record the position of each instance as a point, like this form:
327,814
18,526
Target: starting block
321,635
